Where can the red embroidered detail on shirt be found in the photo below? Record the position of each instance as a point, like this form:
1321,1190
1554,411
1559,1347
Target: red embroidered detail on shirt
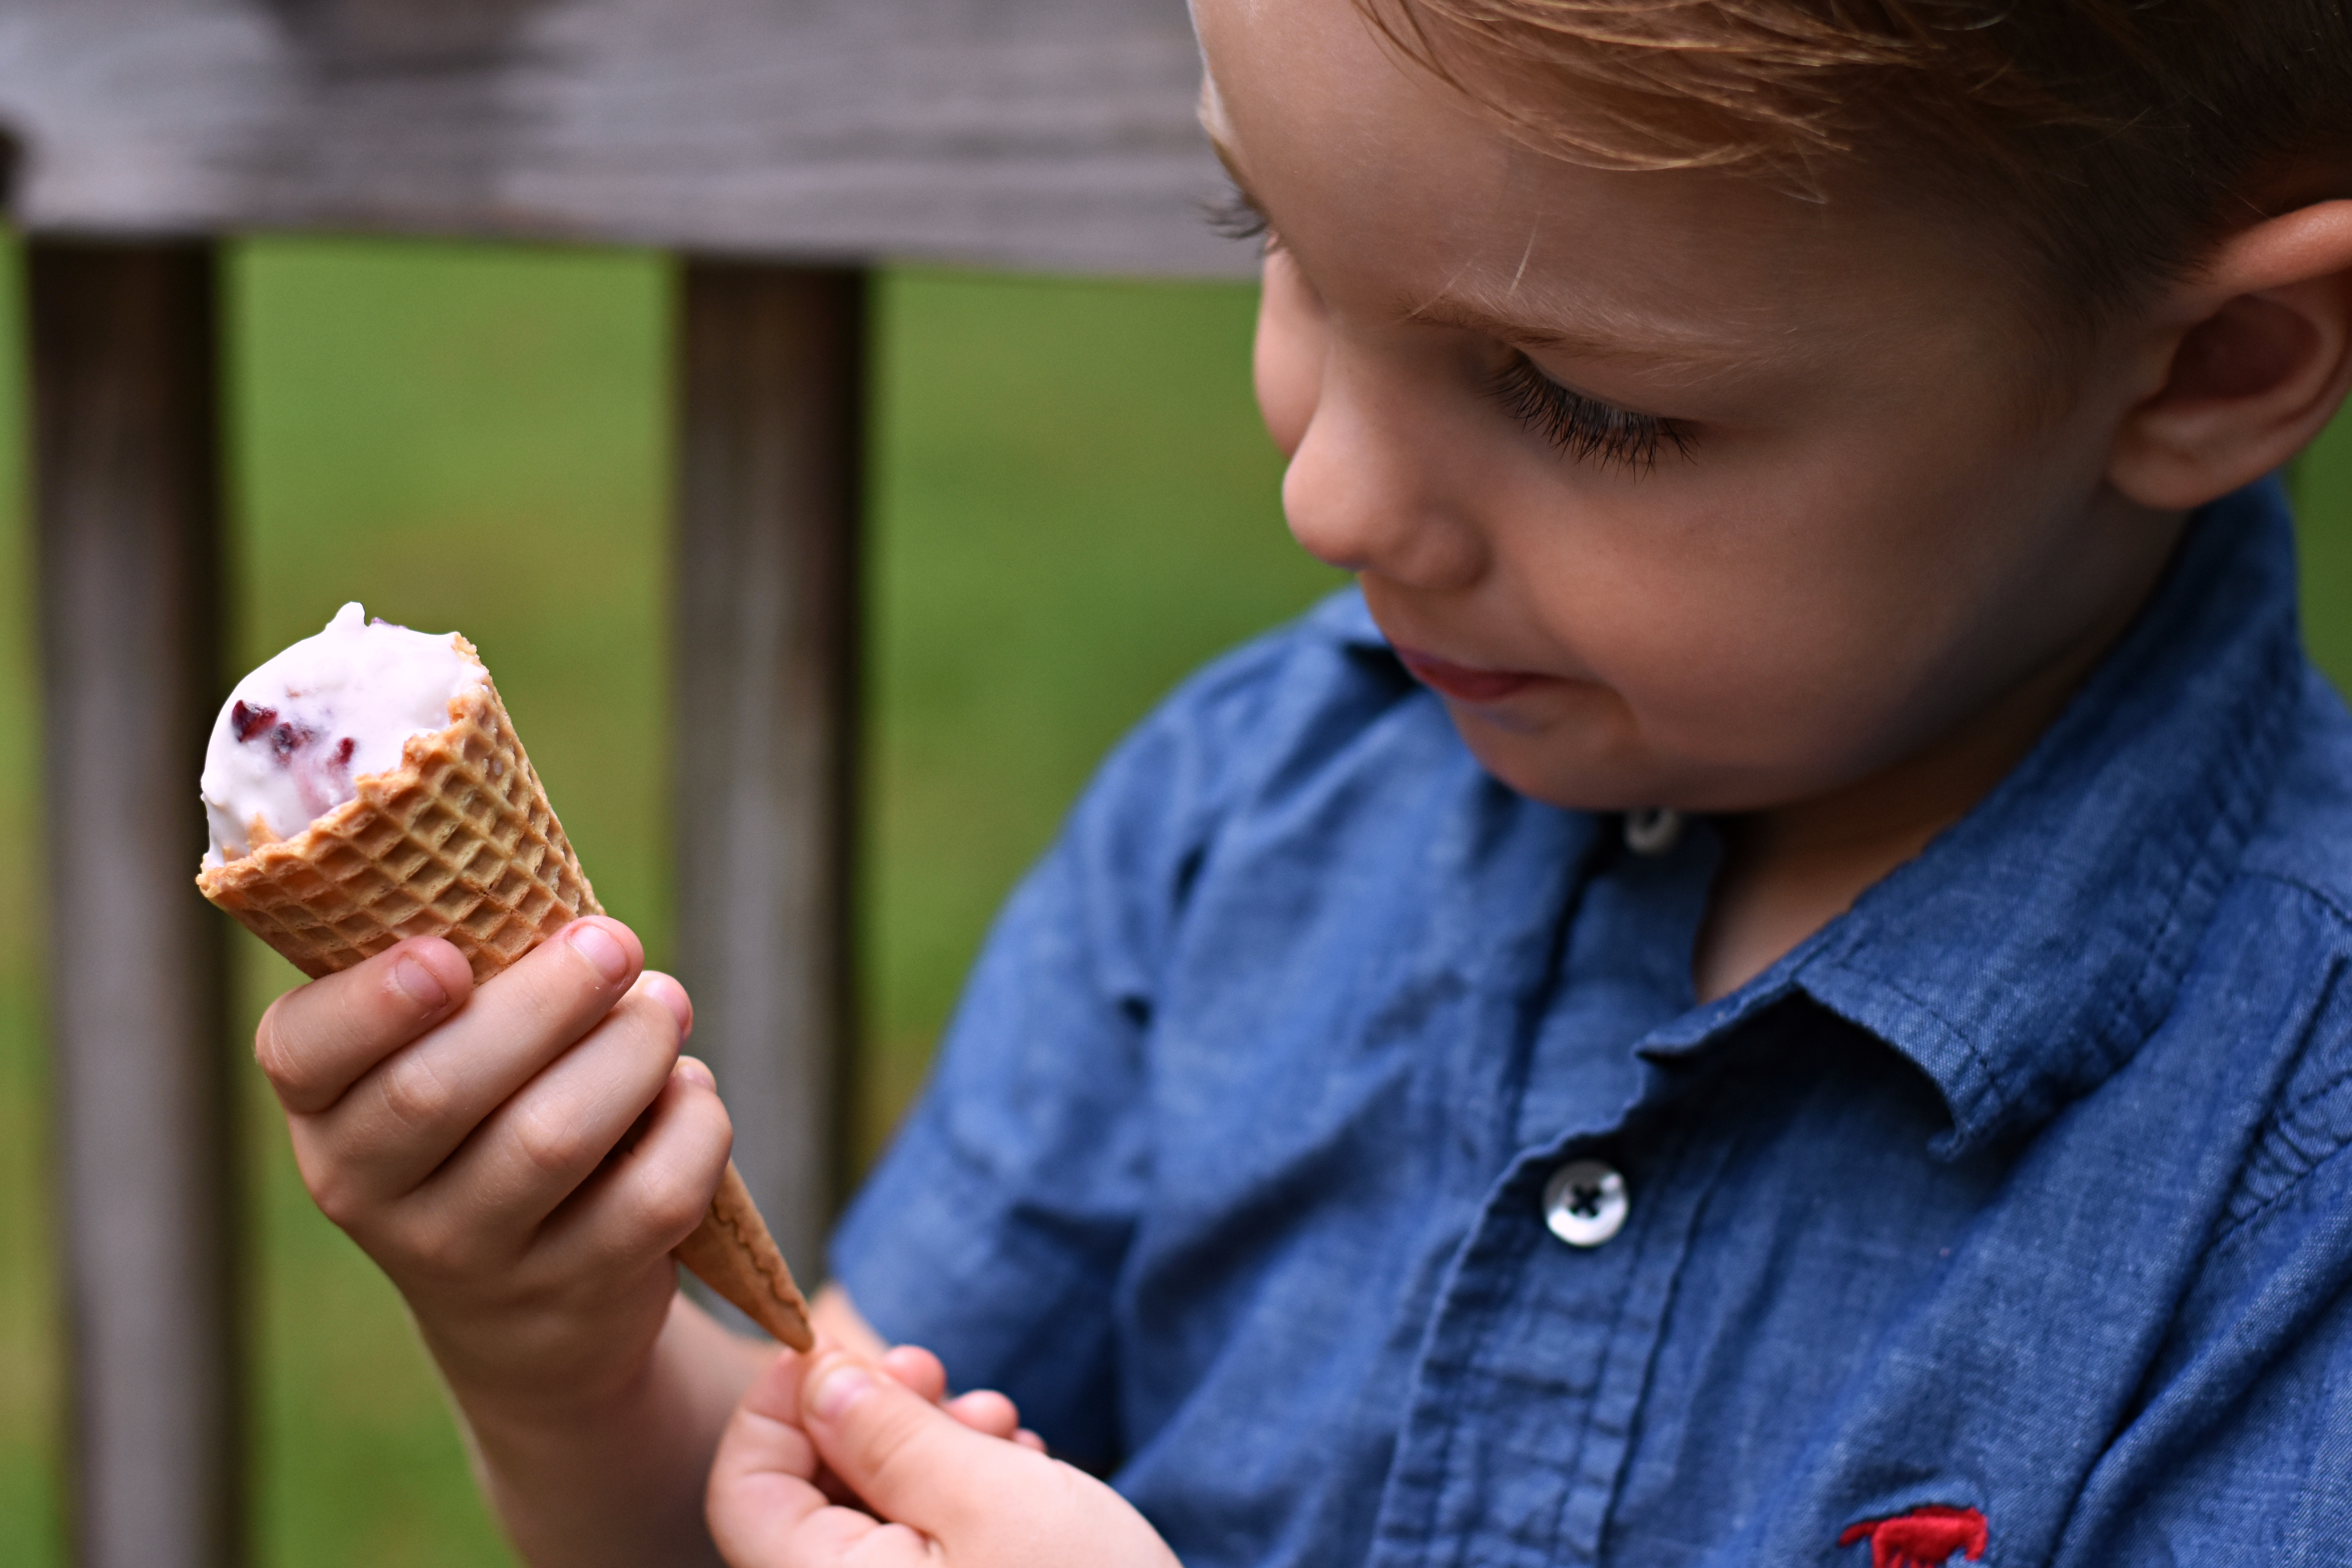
1924,1537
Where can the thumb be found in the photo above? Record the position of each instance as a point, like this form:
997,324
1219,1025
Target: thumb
910,1461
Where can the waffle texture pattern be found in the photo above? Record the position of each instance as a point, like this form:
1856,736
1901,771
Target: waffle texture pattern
457,841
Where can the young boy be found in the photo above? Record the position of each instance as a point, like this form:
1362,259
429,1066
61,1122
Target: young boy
1772,989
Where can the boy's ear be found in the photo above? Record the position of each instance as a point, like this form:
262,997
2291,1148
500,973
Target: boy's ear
2249,360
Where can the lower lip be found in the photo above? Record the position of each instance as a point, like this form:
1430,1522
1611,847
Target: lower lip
1464,684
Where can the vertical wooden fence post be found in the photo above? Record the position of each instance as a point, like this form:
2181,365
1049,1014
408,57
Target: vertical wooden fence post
771,399
124,374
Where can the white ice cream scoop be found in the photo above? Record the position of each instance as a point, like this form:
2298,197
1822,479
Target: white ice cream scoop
299,732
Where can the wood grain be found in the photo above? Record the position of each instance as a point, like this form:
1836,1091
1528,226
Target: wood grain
772,397
124,365
1054,134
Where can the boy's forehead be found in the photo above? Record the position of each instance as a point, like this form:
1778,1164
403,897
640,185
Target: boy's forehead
1366,165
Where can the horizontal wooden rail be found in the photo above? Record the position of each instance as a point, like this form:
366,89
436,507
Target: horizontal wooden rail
1046,133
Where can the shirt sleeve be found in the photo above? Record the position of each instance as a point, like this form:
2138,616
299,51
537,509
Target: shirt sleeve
2239,1449
995,1229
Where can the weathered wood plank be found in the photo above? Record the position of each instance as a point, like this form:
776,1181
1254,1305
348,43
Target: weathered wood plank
1045,133
125,366
771,390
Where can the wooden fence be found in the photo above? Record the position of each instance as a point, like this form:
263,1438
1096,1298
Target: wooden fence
781,147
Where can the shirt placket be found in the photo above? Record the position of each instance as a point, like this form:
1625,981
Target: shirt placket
1529,1392
1529,1389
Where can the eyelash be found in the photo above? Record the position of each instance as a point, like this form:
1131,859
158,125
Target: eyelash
1236,217
1584,427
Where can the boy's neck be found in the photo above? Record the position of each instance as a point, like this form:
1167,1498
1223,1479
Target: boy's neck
1789,870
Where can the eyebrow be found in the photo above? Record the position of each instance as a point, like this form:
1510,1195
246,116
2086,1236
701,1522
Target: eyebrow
1709,351
1688,350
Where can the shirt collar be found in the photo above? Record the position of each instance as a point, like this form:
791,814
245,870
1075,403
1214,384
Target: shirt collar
2026,954
2028,950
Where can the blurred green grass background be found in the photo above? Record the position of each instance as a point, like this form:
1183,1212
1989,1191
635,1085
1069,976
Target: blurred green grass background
1073,506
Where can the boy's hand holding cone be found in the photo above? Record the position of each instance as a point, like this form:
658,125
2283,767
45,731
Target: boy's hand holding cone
454,839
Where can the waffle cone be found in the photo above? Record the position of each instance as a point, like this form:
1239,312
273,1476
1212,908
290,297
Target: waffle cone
459,842
731,1252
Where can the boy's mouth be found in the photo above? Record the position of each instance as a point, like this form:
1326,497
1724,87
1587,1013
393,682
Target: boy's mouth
1463,682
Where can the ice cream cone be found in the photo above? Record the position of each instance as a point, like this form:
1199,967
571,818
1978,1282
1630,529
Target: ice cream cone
459,842
731,1252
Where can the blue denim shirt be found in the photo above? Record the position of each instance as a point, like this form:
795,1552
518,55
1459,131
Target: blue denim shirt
2013,1207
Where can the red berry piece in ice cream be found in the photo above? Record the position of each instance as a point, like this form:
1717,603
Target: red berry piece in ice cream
244,722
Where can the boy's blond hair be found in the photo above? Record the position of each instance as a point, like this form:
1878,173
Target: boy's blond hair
2117,139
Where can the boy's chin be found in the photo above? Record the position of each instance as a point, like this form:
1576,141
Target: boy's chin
1596,767
1581,754
1573,772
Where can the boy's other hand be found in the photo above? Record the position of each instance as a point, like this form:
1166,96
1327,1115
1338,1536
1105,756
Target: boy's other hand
520,1159
945,1488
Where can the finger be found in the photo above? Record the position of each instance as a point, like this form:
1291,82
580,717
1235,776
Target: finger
644,1200
671,995
918,1369
534,1151
909,1459
774,1398
750,1530
316,1041
398,1124
665,989
764,1479
987,1412
1031,1441
764,1502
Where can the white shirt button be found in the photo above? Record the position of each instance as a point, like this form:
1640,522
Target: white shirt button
1653,831
1585,1203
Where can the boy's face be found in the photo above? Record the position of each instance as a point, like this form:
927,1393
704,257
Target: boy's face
1681,490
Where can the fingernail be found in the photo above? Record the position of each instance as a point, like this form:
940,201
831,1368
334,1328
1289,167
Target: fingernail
693,1070
838,1389
420,985
597,944
672,995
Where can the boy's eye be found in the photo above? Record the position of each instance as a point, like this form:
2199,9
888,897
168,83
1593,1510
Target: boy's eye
1584,427
1235,216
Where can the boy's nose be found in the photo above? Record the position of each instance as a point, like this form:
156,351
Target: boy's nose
1366,490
